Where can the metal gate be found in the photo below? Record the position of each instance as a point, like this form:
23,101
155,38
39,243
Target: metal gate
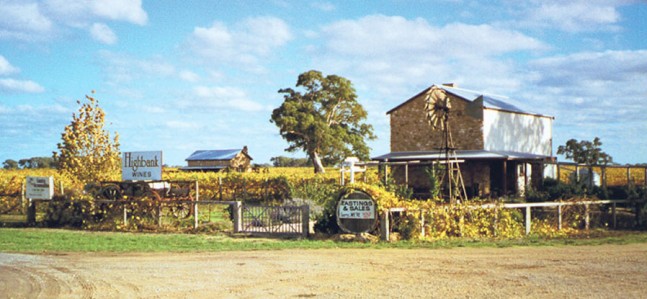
275,220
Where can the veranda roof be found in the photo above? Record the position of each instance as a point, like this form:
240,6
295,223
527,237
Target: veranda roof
460,154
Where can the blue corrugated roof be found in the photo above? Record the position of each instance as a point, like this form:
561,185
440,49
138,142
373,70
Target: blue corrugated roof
226,154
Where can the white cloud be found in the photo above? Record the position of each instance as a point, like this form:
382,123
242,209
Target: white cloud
396,55
6,68
189,76
400,36
86,11
206,98
245,43
35,21
13,85
175,124
120,10
23,21
324,6
102,33
587,71
123,69
572,16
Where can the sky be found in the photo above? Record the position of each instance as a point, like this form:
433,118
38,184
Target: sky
181,76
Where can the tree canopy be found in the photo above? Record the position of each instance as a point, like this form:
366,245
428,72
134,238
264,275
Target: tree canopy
323,119
585,152
87,152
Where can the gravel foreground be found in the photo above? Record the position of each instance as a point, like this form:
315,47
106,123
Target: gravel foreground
603,271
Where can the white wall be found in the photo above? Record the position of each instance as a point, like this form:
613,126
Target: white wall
506,131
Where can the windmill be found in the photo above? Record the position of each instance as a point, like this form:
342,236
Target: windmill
438,107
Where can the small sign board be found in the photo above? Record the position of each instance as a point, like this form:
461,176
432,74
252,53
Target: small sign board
356,212
40,187
141,166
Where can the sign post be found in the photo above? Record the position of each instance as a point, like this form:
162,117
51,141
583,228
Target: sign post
356,212
37,187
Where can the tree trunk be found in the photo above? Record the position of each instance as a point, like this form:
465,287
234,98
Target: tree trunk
316,161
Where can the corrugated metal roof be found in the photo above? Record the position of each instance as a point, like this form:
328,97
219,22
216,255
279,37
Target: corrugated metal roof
460,154
202,155
490,101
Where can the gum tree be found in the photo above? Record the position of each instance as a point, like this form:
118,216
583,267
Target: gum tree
323,119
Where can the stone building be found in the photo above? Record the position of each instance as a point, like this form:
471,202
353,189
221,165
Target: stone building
217,160
502,147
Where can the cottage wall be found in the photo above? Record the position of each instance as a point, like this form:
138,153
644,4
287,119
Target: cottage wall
506,131
241,162
410,130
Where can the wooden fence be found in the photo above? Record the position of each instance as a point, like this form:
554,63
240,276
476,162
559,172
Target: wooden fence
385,228
247,219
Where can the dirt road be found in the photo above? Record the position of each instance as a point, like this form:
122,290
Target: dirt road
551,272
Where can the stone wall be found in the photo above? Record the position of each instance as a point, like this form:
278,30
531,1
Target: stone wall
410,130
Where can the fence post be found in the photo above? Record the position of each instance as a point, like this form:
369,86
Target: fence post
528,221
220,187
384,226
495,225
22,197
613,213
305,220
159,213
587,220
125,215
559,216
237,208
195,206
422,223
637,208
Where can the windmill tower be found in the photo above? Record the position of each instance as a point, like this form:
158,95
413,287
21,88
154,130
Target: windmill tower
438,108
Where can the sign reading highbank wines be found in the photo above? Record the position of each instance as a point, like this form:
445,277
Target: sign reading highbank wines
141,166
40,187
356,212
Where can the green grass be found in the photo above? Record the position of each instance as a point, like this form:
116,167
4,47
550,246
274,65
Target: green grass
38,240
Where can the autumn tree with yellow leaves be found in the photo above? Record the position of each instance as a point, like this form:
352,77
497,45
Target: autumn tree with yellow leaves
87,153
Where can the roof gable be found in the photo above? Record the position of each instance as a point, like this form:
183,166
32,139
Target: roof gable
489,101
226,154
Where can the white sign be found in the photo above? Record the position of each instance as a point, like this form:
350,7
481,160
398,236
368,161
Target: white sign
141,166
40,187
356,209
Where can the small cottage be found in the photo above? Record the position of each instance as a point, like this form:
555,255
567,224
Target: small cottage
217,160
502,147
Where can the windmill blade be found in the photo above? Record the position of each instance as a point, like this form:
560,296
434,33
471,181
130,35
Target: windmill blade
437,105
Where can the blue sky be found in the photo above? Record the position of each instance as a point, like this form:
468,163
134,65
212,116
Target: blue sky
180,76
